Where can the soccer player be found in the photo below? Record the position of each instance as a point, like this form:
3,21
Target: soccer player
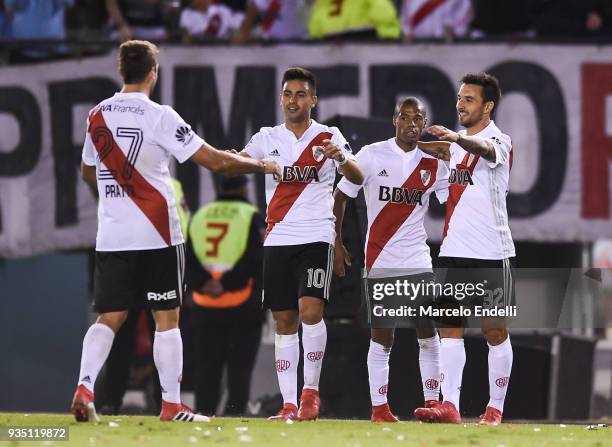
399,178
139,246
476,236
299,240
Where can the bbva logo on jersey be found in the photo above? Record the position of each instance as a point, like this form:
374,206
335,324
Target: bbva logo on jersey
300,174
400,195
461,176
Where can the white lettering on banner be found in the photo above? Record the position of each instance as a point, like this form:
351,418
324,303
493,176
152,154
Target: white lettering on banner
564,204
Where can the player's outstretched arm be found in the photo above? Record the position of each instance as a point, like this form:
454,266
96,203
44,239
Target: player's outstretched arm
342,258
232,164
472,144
88,173
438,149
348,168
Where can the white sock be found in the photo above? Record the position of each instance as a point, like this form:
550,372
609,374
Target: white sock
287,355
314,339
500,365
168,357
97,344
429,363
378,372
452,361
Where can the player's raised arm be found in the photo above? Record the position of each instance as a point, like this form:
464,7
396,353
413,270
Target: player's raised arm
438,149
347,166
232,164
342,257
472,144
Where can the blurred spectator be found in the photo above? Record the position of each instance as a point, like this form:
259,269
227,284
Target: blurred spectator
204,20
502,17
280,20
3,21
354,18
568,18
224,261
435,19
37,19
141,19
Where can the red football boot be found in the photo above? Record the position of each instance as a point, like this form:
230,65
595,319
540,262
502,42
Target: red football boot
289,411
180,413
309,405
83,407
431,403
382,413
491,416
445,413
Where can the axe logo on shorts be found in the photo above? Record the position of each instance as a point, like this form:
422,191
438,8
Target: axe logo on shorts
314,356
165,296
282,365
383,389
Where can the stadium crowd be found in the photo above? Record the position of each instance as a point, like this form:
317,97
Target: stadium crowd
244,21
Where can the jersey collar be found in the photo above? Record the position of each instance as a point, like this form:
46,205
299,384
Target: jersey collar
400,151
131,95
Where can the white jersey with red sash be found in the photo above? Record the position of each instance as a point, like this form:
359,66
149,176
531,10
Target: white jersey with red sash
130,140
476,217
300,207
397,187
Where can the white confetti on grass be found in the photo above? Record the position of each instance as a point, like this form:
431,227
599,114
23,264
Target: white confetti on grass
242,429
400,437
245,438
386,429
206,433
537,429
562,425
289,421
112,424
283,434
193,439
197,428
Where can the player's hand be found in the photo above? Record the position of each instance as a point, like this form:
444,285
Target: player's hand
332,150
232,151
272,167
342,259
125,33
444,134
212,287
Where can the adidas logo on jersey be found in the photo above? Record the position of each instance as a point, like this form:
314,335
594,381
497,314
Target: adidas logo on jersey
182,133
300,174
86,379
460,176
274,153
400,195
170,295
383,173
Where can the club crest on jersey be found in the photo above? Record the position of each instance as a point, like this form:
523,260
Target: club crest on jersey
400,195
300,174
425,176
460,176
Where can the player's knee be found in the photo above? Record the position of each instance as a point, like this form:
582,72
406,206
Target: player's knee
311,314
286,325
114,320
425,332
383,338
166,319
495,336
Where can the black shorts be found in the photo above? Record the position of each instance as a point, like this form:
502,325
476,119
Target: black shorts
293,271
153,279
494,276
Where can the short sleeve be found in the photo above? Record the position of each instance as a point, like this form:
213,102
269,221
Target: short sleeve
255,147
502,145
338,138
176,136
89,151
441,186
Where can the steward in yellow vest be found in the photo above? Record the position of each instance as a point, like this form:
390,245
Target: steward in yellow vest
224,259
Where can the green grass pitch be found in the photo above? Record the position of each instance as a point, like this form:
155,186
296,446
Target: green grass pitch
149,431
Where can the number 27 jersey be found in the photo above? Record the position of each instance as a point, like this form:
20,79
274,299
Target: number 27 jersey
130,140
